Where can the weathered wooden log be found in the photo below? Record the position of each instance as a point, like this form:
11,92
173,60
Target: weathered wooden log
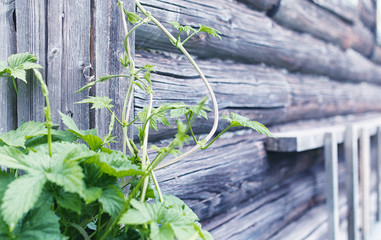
8,119
261,93
260,218
250,36
68,58
108,36
232,171
343,8
376,55
367,12
31,37
262,5
304,16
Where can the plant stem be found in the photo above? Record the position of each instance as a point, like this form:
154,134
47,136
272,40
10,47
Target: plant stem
145,147
14,85
219,135
189,37
210,90
190,127
157,186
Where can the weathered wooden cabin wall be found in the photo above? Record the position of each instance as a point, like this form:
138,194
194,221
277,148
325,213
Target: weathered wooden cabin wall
75,43
279,61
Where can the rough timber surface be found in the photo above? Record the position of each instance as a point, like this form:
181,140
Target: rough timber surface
8,120
262,93
108,49
346,9
250,36
31,37
304,16
262,5
367,12
224,176
69,58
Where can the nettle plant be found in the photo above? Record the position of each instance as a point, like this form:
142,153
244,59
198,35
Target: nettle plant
69,184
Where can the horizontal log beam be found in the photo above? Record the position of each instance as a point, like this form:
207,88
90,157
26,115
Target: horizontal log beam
262,5
261,93
306,17
250,36
233,170
347,9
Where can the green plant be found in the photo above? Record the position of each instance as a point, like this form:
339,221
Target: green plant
69,184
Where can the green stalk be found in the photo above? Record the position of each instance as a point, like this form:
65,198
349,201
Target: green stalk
14,85
145,147
219,135
191,60
157,186
189,37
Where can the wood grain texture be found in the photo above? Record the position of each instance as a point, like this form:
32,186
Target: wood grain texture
262,5
306,17
8,119
261,93
31,37
346,9
250,36
367,12
69,58
108,49
232,171
261,218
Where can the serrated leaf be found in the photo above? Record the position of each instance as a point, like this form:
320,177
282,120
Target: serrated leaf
175,113
20,197
141,213
19,73
112,200
115,164
5,179
98,102
40,223
163,232
238,120
17,60
176,25
209,30
27,130
11,157
133,17
71,201
184,231
69,122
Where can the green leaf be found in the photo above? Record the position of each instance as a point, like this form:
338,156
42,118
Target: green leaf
69,122
173,202
141,213
238,120
40,223
209,30
71,201
18,73
98,102
116,164
3,66
17,60
27,130
20,197
176,25
133,17
5,179
68,175
165,232
93,141
184,231
12,157
112,200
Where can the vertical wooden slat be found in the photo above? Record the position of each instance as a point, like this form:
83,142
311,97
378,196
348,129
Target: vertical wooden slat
8,116
109,39
378,22
365,182
352,185
31,37
332,187
55,16
378,173
69,57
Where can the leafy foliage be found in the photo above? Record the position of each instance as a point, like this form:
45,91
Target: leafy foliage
68,185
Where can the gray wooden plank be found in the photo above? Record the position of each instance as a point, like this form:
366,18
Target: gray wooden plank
352,185
314,137
8,118
69,57
367,12
365,182
262,5
259,92
55,51
304,16
378,26
378,174
346,9
332,184
31,37
108,49
250,36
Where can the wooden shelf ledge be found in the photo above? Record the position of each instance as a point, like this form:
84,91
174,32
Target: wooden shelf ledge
304,139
